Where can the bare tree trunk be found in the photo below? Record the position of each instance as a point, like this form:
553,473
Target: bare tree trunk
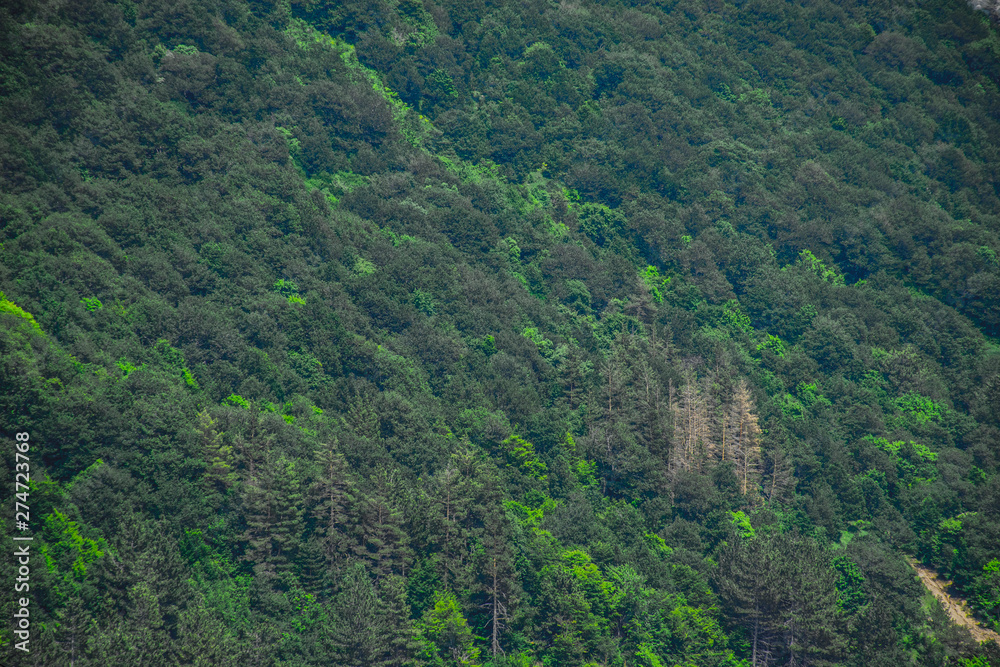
781,473
725,427
746,429
756,635
496,610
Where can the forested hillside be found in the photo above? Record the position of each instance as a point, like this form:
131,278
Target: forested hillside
500,332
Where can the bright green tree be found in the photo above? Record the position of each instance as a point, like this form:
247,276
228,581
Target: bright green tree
448,640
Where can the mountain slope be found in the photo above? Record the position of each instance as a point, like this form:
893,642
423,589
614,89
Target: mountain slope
502,333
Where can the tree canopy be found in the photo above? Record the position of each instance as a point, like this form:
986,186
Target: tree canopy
501,332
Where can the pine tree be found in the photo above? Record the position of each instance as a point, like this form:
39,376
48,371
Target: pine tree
403,641
384,545
312,570
810,616
251,435
497,577
363,419
74,623
782,591
692,442
641,305
217,455
139,637
147,551
203,639
611,372
258,512
274,512
496,571
780,473
335,511
360,636
452,501
749,583
654,422
572,375
745,430
288,503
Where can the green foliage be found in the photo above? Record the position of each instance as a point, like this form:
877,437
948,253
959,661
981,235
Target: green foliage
522,454
501,222
650,658
363,267
68,554
987,254
446,632
600,223
733,316
658,545
985,590
126,367
589,577
526,516
894,448
755,96
424,302
920,408
851,594
791,407
742,523
189,379
809,395
286,287
813,264
545,346
578,297
8,307
92,303
654,282
236,400
774,344
586,473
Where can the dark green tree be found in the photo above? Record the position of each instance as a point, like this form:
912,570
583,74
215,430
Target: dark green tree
359,635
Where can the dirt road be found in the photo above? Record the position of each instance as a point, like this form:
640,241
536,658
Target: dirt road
956,608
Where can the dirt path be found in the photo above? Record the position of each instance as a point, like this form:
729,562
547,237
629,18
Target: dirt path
956,608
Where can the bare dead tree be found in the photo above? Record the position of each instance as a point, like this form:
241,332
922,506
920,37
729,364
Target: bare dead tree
781,473
693,441
497,609
745,430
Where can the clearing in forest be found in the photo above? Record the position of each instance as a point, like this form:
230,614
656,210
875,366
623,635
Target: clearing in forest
957,609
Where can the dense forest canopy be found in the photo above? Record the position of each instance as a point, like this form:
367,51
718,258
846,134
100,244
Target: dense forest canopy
513,332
